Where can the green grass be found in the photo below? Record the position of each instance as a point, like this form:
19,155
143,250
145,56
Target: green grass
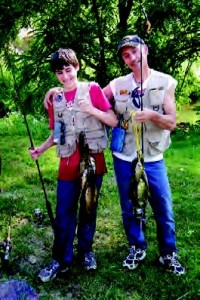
31,245
188,114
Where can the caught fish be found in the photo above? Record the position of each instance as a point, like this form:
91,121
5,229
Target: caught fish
87,172
139,189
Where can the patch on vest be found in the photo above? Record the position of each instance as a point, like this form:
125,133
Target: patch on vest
58,98
124,92
156,107
155,144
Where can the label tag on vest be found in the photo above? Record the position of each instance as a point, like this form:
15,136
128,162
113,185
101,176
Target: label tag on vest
117,139
59,133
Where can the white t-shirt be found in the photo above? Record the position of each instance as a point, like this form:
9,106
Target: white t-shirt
113,85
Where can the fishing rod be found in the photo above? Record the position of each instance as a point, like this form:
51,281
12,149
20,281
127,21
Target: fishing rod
141,72
139,191
19,102
146,17
143,186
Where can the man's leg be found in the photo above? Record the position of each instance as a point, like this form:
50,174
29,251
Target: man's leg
133,227
161,202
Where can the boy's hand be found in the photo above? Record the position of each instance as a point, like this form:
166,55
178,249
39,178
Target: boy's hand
50,94
36,152
86,105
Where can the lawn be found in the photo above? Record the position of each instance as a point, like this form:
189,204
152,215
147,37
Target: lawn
31,244
188,114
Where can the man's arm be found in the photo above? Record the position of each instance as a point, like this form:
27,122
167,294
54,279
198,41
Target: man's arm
108,92
49,94
165,121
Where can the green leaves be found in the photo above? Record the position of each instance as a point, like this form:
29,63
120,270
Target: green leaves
93,28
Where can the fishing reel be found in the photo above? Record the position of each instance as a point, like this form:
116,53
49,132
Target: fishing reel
139,213
6,248
38,217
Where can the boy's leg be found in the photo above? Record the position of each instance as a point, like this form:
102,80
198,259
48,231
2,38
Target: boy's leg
65,226
87,224
66,220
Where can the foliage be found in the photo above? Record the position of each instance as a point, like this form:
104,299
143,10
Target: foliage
173,36
93,28
31,244
188,90
14,124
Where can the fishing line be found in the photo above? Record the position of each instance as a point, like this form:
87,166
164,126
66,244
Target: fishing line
142,10
19,102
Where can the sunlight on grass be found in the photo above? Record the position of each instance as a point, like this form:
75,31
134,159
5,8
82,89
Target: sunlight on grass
187,114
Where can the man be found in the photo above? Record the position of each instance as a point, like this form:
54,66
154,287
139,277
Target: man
152,91
149,95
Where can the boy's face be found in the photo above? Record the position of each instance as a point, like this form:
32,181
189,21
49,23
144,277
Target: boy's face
68,77
132,56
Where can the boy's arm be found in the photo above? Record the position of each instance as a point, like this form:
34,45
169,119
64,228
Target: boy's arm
98,106
107,117
38,151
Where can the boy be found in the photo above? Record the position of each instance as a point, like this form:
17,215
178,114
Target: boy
79,109
149,96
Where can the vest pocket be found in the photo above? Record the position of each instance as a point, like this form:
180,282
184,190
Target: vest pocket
156,96
68,148
97,146
158,142
122,104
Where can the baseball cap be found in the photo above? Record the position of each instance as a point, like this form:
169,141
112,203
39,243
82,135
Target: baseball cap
131,41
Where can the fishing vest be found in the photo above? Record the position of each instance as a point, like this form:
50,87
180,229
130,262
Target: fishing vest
76,121
155,139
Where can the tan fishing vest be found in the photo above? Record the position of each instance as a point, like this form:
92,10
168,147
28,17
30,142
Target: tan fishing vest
155,139
77,121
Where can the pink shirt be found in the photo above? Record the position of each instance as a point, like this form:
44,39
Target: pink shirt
97,96
69,166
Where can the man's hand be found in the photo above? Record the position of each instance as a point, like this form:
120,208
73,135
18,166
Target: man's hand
50,94
145,115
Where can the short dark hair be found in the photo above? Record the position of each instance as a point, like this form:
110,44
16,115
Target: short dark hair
63,57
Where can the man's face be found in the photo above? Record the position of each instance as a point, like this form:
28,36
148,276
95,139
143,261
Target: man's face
68,77
132,56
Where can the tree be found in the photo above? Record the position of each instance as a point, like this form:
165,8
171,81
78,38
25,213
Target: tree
93,28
